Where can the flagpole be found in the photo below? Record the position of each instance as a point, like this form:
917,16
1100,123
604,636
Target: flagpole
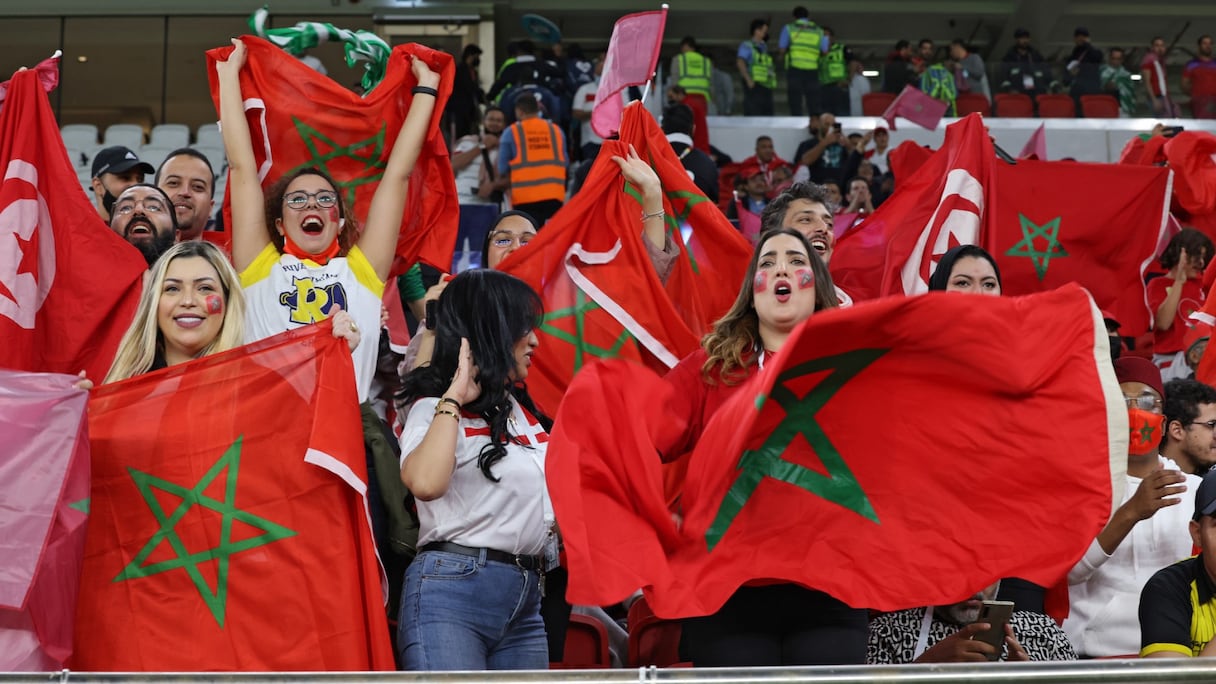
658,73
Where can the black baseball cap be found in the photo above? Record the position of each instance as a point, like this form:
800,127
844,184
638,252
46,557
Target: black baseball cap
118,159
1021,33
1080,31
1205,498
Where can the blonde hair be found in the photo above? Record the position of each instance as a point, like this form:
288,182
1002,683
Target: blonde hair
142,341
735,338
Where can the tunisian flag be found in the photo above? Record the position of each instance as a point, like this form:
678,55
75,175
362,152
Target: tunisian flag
633,51
44,484
298,118
602,296
229,526
939,206
798,479
68,284
1098,225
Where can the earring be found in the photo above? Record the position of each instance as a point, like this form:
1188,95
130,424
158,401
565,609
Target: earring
341,223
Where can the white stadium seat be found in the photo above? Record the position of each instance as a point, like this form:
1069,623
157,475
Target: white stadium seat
171,136
130,135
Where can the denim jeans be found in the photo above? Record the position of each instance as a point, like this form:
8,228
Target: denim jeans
466,613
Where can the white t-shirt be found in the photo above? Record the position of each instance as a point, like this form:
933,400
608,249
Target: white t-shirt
513,514
283,293
1104,591
468,179
584,101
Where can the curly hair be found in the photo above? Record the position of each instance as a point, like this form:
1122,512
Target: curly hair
1194,242
493,311
347,234
732,343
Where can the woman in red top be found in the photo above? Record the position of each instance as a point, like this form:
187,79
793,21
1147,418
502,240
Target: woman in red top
765,624
1175,296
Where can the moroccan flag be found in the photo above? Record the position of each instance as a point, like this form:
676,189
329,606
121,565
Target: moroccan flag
602,296
633,51
1098,225
68,284
229,526
939,206
300,118
44,484
855,463
915,106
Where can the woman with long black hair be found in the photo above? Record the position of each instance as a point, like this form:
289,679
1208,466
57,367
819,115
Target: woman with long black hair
473,447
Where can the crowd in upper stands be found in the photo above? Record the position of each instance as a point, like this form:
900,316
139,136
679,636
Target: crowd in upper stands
520,148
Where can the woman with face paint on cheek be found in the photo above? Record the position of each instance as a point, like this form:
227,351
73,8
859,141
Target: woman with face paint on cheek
295,245
191,306
786,283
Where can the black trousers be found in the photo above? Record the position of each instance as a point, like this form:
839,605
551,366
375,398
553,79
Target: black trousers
804,87
757,101
541,211
779,624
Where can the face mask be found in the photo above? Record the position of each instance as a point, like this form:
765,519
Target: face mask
108,200
764,38
1145,431
476,62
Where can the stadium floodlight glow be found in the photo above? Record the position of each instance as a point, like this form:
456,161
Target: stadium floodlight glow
870,73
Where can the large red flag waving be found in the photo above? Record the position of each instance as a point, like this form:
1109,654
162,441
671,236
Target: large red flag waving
602,296
299,118
939,206
229,527
1050,226
856,463
68,284
44,484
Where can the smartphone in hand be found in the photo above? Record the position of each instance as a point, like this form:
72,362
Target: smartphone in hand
996,614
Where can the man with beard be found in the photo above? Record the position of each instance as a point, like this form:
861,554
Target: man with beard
945,634
115,169
186,176
1190,425
143,215
475,160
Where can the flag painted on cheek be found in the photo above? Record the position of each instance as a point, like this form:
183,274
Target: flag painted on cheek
798,479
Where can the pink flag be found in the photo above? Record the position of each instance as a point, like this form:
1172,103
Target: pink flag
633,52
44,484
1036,146
48,75
917,107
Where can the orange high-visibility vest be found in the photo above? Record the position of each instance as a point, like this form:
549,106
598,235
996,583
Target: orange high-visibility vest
538,169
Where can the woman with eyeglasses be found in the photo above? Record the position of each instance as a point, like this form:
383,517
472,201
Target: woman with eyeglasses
301,257
761,624
1148,531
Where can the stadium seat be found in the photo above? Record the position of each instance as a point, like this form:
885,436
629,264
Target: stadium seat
1056,106
171,136
586,645
208,135
130,135
653,640
1099,107
215,155
82,136
1014,105
874,104
155,154
973,103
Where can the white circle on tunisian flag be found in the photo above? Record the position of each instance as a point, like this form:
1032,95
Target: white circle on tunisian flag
955,221
25,225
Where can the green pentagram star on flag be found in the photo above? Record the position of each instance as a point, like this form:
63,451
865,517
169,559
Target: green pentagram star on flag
183,559
1026,248
840,485
323,150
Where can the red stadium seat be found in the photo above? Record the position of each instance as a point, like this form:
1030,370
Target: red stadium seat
972,103
874,104
1056,106
1014,105
653,640
1099,107
586,645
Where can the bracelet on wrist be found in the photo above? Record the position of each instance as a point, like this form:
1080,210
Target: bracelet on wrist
425,90
449,400
658,214
447,412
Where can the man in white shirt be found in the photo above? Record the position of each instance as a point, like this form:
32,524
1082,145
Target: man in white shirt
1148,531
584,102
475,158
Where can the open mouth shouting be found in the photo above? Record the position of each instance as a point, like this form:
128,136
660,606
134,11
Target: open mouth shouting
140,226
312,225
782,289
819,244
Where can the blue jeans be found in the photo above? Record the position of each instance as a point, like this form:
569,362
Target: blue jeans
466,613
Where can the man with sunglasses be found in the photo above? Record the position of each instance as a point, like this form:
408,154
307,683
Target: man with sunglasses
1190,425
1148,531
